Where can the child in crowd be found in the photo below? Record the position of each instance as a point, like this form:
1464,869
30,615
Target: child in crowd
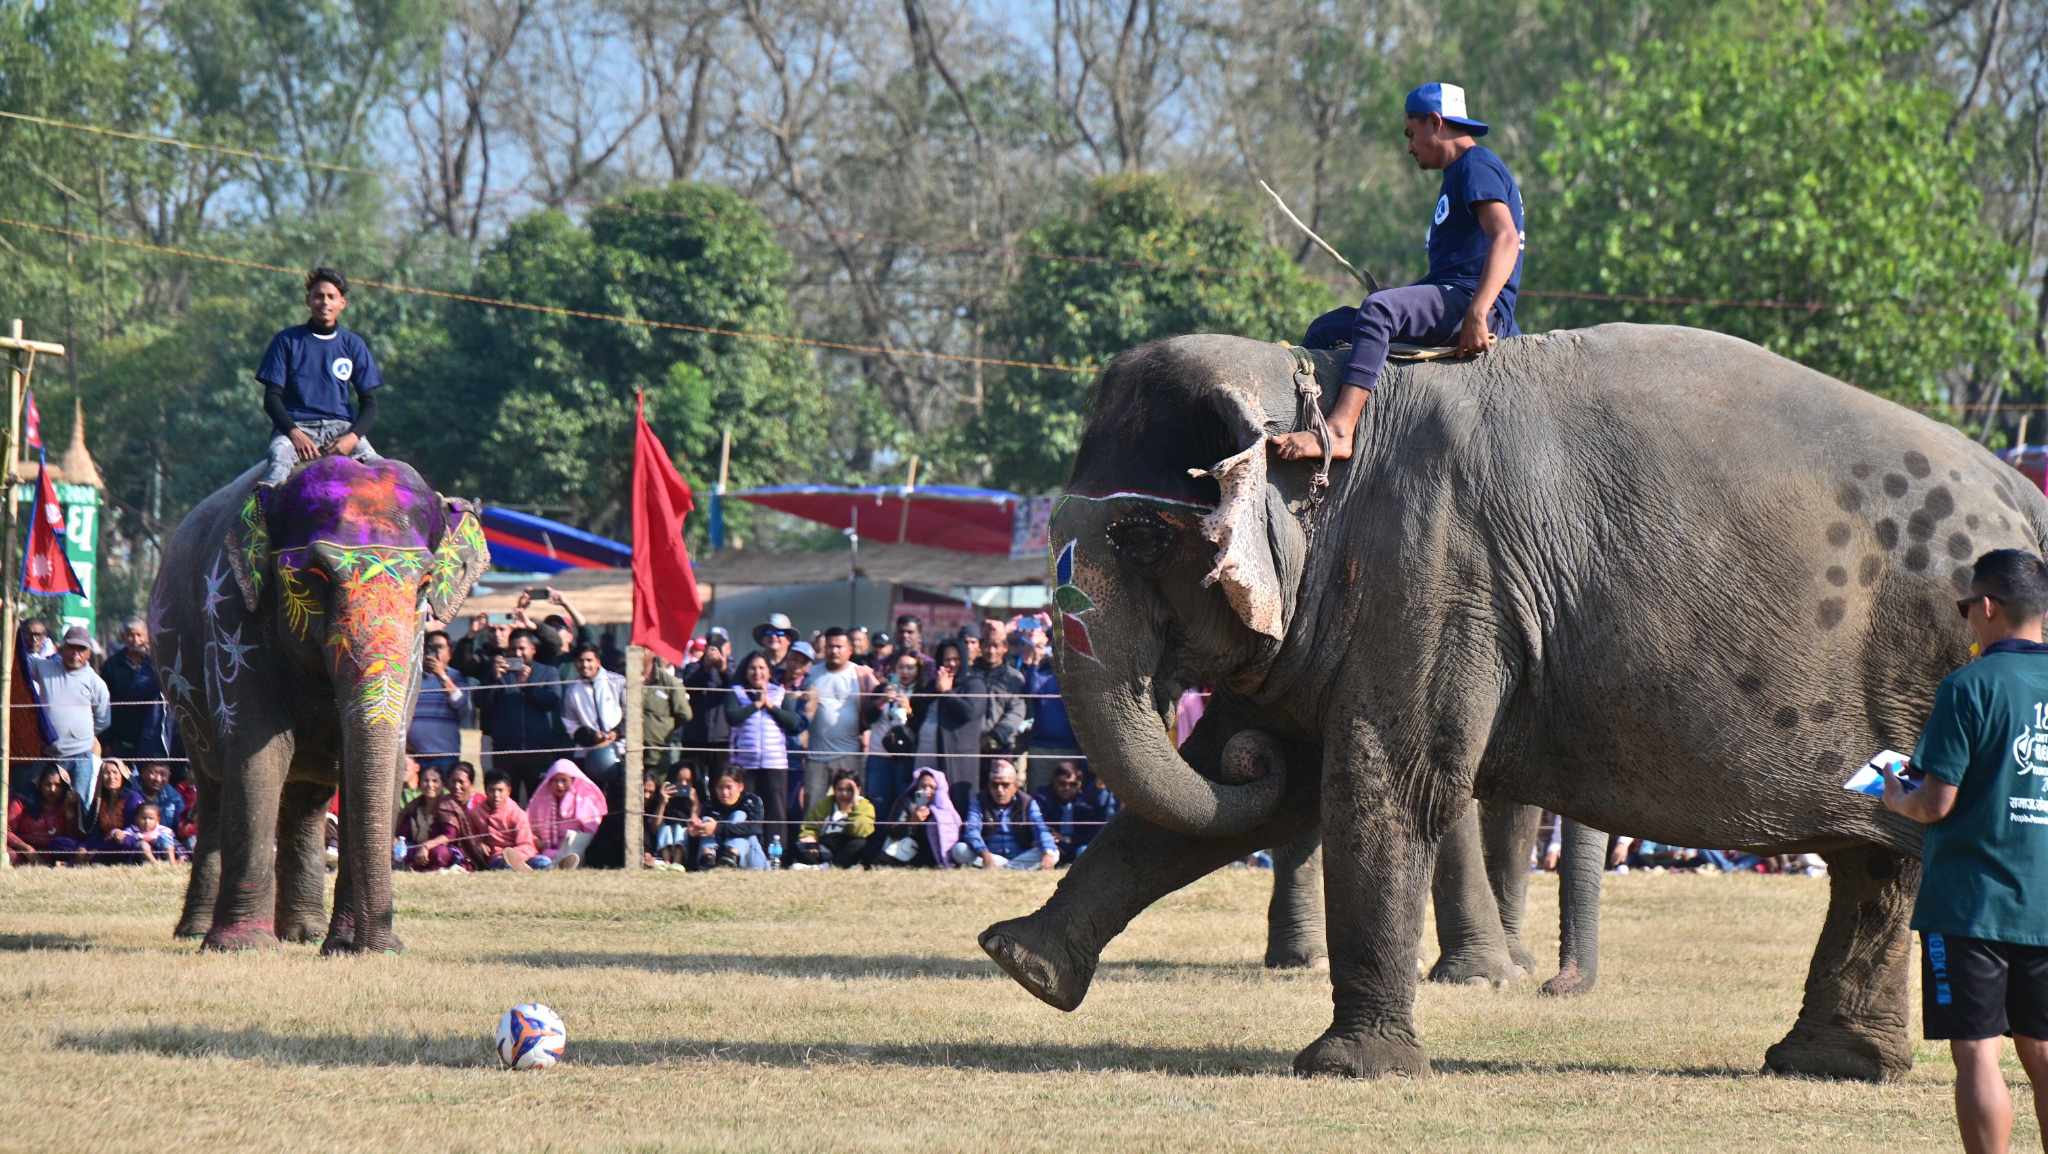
156,841
308,373
504,837
728,833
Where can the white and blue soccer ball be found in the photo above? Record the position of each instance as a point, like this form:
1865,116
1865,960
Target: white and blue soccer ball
531,1037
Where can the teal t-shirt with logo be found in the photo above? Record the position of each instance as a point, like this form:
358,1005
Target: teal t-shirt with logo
1985,871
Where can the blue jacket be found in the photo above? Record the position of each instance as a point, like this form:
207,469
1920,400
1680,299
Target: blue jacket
136,731
436,729
1003,834
1050,728
1076,821
524,718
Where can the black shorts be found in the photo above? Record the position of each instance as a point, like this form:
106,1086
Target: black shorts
1972,989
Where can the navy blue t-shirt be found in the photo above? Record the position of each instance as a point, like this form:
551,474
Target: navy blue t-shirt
1457,245
318,373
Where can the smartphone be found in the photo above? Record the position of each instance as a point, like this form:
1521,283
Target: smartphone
537,592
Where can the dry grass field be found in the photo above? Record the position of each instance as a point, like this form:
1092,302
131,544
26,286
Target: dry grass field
848,1011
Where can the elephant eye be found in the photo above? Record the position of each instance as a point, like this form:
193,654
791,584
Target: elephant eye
1142,540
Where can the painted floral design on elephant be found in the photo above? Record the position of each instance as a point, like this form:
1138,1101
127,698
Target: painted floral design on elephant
1070,601
373,640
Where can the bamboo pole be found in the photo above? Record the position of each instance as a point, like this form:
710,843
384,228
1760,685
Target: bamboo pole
909,487
1363,277
635,757
21,364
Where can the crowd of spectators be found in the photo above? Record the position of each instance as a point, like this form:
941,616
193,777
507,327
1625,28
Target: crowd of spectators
848,749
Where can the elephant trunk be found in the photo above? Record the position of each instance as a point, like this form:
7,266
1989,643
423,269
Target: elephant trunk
1128,748
373,650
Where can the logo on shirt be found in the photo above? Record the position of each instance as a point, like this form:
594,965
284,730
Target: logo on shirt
343,368
1443,209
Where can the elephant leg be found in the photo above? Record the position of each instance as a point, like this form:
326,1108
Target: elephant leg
1581,867
202,888
1130,864
1509,836
302,862
1378,855
1852,1023
249,796
1471,946
1294,918
359,924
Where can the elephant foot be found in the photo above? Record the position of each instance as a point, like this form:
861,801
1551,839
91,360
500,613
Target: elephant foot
1297,956
302,929
336,946
193,926
1521,956
1570,982
1469,970
1054,974
1361,1056
241,936
1840,1053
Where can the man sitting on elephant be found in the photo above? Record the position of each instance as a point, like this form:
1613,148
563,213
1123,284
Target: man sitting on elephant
1475,268
307,373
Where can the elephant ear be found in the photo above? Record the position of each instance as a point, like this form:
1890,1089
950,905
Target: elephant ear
248,548
460,558
1238,529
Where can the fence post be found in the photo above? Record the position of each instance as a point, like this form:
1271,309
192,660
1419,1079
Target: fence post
636,754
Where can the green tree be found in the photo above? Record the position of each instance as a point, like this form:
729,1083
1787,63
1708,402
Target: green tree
536,409
1768,155
1154,263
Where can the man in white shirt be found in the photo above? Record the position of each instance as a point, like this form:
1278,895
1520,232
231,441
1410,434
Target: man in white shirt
595,699
837,738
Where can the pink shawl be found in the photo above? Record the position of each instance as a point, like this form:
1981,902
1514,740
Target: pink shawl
579,810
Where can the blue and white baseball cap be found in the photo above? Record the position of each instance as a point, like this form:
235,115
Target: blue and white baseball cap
1447,101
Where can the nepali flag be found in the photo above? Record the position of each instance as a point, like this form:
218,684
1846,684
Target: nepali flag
46,567
31,421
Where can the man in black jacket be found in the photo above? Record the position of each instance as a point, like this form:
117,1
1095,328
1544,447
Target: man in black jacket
520,714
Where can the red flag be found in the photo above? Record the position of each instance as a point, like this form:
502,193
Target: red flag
665,601
45,567
31,421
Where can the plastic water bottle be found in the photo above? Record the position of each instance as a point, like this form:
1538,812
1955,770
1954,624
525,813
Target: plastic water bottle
775,852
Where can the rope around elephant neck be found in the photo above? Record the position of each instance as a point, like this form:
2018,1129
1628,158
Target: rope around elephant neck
1309,392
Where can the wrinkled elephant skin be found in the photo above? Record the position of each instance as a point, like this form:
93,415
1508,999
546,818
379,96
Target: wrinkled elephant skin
1654,579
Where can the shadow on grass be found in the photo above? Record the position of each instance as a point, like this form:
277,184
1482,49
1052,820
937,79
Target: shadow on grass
474,1052
828,965
461,1051
23,943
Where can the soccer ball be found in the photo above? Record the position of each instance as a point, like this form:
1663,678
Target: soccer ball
530,1037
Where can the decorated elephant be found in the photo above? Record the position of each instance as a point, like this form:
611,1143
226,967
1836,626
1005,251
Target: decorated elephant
287,625
1652,578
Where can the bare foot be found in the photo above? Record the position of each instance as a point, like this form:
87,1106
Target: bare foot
1305,447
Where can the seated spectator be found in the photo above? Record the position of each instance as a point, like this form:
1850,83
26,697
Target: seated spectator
728,832
445,706
41,827
565,813
106,840
462,787
923,825
761,729
1074,821
837,828
409,782
153,839
670,807
434,831
594,705
1004,829
152,786
504,838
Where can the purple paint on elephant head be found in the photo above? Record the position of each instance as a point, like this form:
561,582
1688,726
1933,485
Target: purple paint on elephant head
346,502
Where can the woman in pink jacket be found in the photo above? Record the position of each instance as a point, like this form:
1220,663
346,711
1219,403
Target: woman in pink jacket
564,813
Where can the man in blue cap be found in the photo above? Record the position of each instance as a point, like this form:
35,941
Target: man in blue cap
1475,267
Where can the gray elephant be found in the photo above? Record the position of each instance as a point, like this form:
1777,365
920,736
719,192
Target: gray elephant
288,624
1650,548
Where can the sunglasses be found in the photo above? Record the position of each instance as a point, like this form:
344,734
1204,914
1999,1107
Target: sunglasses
1963,606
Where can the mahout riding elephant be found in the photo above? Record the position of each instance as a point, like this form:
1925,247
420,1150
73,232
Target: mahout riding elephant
1652,578
287,625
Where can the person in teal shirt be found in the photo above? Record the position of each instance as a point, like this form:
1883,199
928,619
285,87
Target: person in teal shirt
1978,780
